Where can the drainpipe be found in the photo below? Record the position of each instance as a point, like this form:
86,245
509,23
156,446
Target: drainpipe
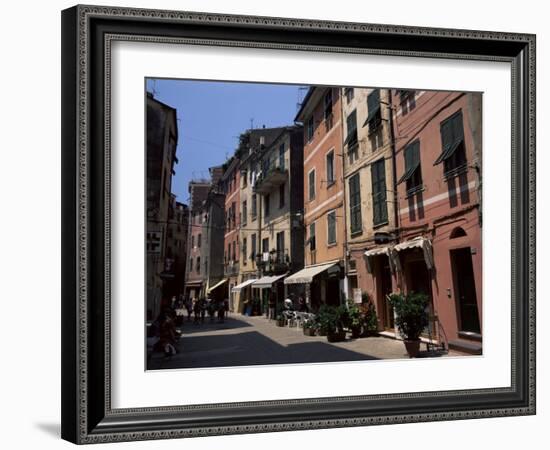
394,172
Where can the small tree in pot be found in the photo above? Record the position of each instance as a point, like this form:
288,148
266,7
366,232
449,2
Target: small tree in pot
355,319
411,318
332,320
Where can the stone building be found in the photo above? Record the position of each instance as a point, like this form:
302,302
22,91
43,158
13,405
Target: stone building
370,197
162,139
324,212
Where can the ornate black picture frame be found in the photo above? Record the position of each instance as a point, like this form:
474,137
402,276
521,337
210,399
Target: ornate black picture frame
87,34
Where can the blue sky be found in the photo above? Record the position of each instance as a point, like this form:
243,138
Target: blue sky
212,115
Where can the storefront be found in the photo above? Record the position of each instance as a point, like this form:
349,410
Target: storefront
323,283
241,295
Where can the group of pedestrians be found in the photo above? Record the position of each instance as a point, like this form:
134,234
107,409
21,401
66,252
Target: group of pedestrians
199,308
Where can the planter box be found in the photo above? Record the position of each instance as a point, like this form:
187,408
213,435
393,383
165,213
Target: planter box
309,332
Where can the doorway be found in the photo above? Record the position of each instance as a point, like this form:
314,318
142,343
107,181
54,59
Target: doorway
465,290
384,289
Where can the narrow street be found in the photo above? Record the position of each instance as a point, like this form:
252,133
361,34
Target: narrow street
243,341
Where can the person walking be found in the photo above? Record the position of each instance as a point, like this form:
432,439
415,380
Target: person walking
189,307
168,336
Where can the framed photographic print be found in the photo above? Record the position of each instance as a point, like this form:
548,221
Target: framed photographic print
280,224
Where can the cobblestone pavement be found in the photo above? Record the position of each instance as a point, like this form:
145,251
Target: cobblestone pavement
242,341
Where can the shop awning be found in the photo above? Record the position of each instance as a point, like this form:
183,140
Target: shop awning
244,284
306,275
267,282
377,251
217,285
419,242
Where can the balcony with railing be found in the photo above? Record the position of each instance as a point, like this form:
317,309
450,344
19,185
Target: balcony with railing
273,262
231,268
270,177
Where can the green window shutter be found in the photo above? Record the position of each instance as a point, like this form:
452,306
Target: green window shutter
351,123
452,135
373,105
380,210
355,204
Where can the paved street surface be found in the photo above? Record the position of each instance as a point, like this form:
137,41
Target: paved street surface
243,341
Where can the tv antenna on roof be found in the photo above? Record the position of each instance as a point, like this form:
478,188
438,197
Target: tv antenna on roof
251,123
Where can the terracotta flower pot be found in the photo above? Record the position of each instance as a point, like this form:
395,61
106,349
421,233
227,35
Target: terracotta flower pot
413,347
337,336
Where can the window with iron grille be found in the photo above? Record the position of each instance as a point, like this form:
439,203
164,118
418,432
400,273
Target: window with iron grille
244,248
379,206
282,195
453,154
356,225
245,213
280,246
331,228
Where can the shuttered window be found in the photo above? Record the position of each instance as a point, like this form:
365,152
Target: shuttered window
413,172
355,204
311,181
374,118
453,153
351,124
379,206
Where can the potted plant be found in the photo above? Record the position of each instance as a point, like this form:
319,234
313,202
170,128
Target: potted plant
310,327
370,319
411,318
354,319
280,320
331,322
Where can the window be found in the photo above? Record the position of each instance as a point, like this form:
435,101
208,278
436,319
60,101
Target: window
281,247
330,167
309,129
351,122
453,153
311,240
244,248
282,157
244,177
407,100
254,206
233,214
374,118
265,245
348,92
311,179
199,239
379,206
356,225
192,241
413,173
328,105
234,252
198,266
206,265
245,212
331,228
253,246
282,195
266,205
190,264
